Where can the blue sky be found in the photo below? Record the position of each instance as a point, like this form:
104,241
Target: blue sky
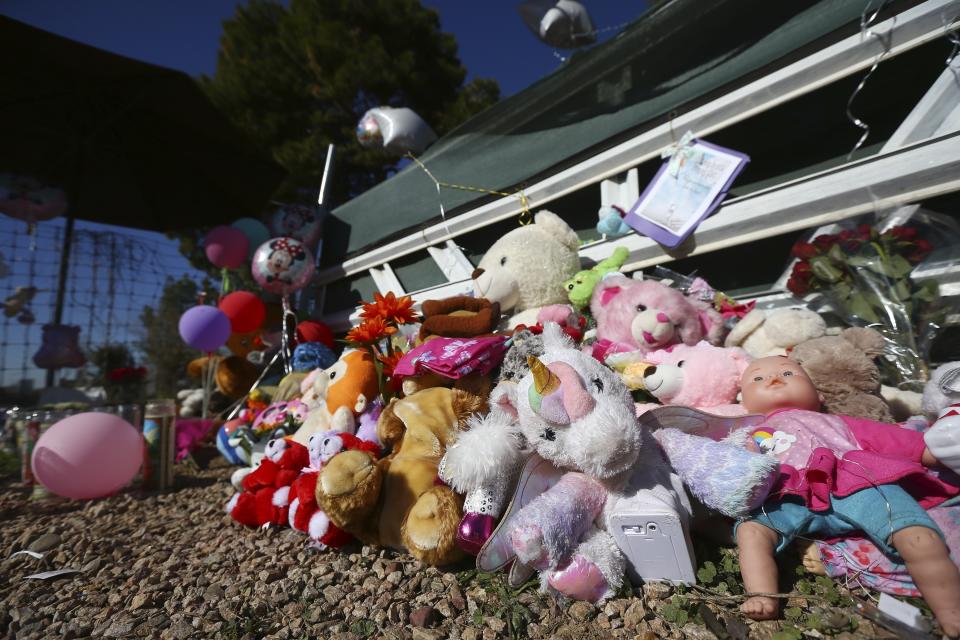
185,34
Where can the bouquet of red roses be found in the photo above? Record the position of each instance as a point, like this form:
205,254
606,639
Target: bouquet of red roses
865,274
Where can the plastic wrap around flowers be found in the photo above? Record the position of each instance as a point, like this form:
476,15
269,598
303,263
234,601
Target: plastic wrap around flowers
30,200
282,265
453,357
867,275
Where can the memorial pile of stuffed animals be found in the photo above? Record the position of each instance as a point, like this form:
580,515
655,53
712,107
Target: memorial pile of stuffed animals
569,422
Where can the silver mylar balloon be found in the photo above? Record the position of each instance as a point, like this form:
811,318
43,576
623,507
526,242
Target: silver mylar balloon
564,24
399,130
368,131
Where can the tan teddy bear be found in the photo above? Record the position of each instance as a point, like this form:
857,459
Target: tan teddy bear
844,372
396,501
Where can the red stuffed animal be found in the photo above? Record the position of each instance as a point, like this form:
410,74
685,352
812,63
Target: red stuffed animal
265,497
304,514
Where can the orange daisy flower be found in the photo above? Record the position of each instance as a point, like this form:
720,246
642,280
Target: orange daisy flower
370,331
389,362
390,308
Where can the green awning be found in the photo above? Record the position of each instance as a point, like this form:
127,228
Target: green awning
679,54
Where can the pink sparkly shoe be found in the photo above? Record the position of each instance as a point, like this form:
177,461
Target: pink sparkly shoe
580,580
474,530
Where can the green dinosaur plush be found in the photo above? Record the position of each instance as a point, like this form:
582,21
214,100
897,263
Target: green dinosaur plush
580,286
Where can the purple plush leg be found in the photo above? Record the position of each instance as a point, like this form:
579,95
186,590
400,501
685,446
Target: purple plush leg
529,546
547,530
474,530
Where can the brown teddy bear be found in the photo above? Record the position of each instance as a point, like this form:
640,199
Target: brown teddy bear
844,372
454,317
458,317
233,375
397,501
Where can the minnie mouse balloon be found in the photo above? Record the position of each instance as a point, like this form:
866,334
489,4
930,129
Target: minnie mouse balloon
297,221
30,200
282,265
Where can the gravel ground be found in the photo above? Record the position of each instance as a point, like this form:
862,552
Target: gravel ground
174,566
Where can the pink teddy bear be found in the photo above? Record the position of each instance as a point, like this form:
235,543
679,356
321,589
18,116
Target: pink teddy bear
645,315
701,376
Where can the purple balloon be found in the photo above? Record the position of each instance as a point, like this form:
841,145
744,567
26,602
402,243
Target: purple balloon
226,247
204,328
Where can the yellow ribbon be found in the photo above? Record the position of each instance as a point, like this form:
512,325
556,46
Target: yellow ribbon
525,217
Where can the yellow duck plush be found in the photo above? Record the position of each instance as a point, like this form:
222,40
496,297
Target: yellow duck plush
396,501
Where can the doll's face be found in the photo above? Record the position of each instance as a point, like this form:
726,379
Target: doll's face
777,383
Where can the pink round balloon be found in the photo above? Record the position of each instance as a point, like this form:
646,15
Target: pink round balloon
282,265
226,247
88,455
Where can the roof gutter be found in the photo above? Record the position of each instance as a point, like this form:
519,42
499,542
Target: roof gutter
904,31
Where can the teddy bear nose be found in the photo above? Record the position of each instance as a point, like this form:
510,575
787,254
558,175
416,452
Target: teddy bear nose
649,371
662,317
476,274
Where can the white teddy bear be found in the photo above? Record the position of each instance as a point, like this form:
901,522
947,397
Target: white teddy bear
524,270
770,333
191,402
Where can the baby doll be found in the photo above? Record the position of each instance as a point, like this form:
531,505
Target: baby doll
839,475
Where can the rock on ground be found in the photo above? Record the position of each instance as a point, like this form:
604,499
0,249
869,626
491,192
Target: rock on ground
174,566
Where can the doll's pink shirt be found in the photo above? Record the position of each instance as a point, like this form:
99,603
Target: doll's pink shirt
822,455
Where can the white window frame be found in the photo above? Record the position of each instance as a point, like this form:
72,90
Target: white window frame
914,165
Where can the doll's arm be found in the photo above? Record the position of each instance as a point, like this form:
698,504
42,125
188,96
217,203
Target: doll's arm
889,439
546,531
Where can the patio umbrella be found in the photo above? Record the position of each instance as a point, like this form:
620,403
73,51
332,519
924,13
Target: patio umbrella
133,144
